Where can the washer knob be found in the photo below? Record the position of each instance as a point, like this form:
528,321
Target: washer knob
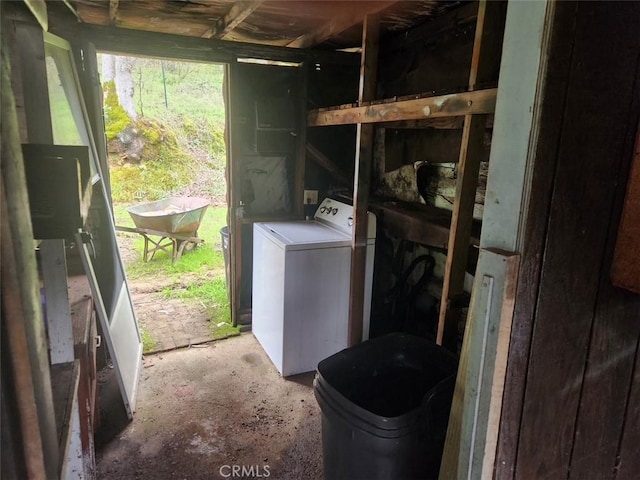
334,211
323,209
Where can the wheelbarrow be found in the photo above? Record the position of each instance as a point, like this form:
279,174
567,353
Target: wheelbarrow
174,219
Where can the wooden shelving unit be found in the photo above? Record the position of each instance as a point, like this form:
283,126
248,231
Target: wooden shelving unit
454,230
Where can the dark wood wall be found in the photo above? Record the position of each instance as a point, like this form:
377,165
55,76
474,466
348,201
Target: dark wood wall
572,393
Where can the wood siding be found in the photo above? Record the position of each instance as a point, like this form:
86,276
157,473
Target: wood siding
571,380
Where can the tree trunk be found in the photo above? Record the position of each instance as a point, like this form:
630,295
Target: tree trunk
124,84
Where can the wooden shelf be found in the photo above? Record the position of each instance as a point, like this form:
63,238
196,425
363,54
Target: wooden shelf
418,223
65,378
393,110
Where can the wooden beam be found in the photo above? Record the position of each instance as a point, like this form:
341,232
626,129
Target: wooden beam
490,16
362,178
234,16
301,140
452,105
21,305
475,412
113,12
152,44
338,25
39,10
447,123
336,172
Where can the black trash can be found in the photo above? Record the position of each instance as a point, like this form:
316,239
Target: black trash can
385,408
224,242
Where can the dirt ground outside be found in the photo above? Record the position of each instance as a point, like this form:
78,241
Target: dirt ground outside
206,410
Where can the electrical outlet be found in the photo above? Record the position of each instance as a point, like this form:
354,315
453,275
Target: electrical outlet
311,197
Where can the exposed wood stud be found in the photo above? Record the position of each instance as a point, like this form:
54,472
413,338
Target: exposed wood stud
301,140
362,178
18,253
490,15
237,13
113,11
452,105
337,25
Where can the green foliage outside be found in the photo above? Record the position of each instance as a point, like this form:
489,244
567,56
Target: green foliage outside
165,167
198,275
116,119
180,138
183,144
148,343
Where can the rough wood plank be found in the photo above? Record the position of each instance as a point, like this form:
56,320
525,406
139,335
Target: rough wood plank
423,224
14,340
452,105
475,411
15,205
179,47
625,271
54,278
113,12
362,178
550,118
454,123
491,17
237,13
301,140
577,232
628,460
338,25
613,345
34,79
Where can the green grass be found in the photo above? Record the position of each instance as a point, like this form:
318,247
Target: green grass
148,343
204,258
208,285
213,295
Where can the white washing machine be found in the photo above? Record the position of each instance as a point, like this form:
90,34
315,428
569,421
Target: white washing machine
301,281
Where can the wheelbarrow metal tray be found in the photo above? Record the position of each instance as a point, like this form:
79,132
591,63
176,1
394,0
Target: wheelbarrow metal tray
171,215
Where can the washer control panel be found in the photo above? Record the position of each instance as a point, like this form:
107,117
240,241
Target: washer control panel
334,213
340,215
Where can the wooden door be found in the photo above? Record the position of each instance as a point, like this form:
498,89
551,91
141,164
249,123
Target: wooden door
267,123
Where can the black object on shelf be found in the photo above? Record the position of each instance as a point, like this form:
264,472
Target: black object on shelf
385,408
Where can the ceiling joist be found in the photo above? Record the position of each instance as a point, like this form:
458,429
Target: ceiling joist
237,14
338,25
113,11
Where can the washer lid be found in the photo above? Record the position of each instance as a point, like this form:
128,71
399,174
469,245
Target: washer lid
304,235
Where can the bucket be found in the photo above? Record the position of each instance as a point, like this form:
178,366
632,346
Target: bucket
385,408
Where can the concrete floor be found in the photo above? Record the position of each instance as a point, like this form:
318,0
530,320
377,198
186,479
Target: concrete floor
207,410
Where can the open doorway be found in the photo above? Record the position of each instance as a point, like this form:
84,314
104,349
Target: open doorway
165,126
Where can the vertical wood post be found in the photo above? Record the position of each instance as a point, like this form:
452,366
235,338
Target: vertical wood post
490,15
362,177
28,343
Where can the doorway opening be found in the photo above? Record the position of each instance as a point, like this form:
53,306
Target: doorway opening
165,124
